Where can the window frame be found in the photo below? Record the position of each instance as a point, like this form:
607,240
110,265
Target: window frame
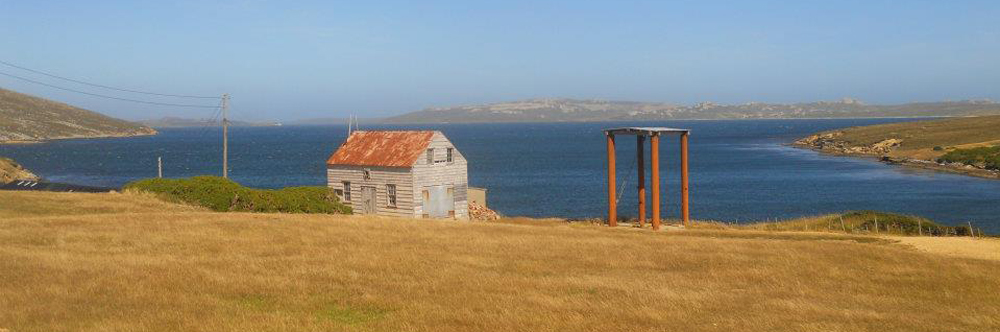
451,155
430,156
347,190
391,200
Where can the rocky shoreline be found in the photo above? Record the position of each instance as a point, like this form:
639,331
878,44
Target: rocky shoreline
144,131
830,143
11,171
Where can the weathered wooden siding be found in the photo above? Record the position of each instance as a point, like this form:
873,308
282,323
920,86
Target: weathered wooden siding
380,177
454,174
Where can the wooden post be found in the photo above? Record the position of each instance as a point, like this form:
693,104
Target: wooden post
159,167
654,165
685,212
876,224
225,135
971,233
842,224
612,204
641,161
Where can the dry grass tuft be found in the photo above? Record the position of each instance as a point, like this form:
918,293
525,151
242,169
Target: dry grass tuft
145,265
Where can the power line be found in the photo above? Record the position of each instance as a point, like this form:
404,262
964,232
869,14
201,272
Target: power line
105,96
104,86
203,130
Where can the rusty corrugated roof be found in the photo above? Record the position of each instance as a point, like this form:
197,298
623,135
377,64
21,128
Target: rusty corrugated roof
382,148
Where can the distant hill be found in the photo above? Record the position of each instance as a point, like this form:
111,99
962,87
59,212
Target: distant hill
29,118
558,110
168,122
336,121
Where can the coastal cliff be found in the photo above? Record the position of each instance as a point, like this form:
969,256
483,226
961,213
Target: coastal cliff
25,118
927,144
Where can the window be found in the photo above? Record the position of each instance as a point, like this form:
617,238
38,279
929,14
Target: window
451,157
367,174
347,191
430,156
390,190
339,193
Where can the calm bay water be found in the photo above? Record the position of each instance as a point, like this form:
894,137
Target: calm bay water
740,170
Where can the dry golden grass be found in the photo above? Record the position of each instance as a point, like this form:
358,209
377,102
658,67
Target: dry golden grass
28,204
160,267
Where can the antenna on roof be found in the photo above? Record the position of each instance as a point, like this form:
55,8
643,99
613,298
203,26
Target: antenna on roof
353,124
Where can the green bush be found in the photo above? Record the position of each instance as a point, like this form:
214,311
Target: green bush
896,223
221,194
986,157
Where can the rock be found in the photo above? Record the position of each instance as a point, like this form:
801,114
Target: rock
830,142
479,212
886,145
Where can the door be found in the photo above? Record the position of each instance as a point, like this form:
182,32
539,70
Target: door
439,202
368,200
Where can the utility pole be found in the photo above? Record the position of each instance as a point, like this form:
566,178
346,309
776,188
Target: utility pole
225,135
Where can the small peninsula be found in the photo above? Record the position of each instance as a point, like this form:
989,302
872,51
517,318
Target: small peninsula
11,171
966,145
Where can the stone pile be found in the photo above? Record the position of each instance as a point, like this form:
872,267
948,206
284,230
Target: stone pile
479,212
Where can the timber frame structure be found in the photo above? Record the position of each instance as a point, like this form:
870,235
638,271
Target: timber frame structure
654,134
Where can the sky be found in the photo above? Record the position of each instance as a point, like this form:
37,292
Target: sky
287,60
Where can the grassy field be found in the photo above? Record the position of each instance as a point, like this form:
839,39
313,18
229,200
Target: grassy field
125,262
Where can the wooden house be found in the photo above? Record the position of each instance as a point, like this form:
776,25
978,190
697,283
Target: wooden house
416,174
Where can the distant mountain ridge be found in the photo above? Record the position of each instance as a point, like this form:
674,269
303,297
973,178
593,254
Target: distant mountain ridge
168,122
29,118
574,110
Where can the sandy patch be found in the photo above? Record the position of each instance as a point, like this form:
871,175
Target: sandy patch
964,247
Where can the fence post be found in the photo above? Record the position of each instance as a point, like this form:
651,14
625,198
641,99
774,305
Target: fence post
876,224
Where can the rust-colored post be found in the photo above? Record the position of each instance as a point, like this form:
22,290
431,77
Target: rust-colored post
684,180
612,204
654,165
641,161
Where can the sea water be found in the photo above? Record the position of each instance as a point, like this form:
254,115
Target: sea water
741,170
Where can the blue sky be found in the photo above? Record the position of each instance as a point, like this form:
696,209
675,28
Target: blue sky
288,60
